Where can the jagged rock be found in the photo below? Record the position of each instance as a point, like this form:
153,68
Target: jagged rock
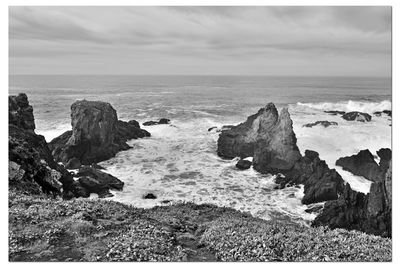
276,149
96,134
385,155
369,213
31,153
243,164
357,116
323,123
104,179
335,112
265,136
20,113
320,182
362,164
161,121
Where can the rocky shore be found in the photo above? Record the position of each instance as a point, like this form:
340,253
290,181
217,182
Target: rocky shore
49,221
268,137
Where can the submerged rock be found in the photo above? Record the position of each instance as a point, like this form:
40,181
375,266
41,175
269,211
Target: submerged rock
362,164
357,116
335,112
371,213
323,123
265,136
161,121
149,196
96,134
243,164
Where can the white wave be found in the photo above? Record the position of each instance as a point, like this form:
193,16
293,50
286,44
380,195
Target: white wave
179,163
346,139
362,106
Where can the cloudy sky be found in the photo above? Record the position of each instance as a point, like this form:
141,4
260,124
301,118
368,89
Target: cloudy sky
304,41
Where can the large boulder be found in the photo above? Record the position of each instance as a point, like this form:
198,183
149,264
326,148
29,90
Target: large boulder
371,213
96,134
320,182
31,162
266,136
92,180
362,164
276,147
356,116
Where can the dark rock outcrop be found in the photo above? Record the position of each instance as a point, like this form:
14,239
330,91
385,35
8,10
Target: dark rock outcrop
387,112
371,213
161,121
105,179
266,136
20,113
362,164
357,116
243,164
323,123
320,182
335,112
92,180
29,154
96,134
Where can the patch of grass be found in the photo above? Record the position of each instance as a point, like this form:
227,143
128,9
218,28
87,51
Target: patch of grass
49,229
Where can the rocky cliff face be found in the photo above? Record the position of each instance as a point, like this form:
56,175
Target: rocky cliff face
96,134
20,113
31,165
371,213
266,136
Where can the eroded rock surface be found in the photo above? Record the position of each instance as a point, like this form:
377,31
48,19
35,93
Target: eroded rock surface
96,134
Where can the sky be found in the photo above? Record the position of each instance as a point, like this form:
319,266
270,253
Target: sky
269,41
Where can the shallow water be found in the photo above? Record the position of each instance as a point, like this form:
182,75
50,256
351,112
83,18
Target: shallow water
179,162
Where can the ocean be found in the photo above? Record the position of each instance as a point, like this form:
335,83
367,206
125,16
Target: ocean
178,163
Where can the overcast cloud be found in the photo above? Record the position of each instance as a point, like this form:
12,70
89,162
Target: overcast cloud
339,41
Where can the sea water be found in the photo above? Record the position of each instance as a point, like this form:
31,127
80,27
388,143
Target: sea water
179,163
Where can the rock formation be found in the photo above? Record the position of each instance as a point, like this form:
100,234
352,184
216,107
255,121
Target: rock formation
335,112
32,167
320,182
243,164
161,121
371,213
92,180
96,134
323,123
356,116
268,137
362,164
